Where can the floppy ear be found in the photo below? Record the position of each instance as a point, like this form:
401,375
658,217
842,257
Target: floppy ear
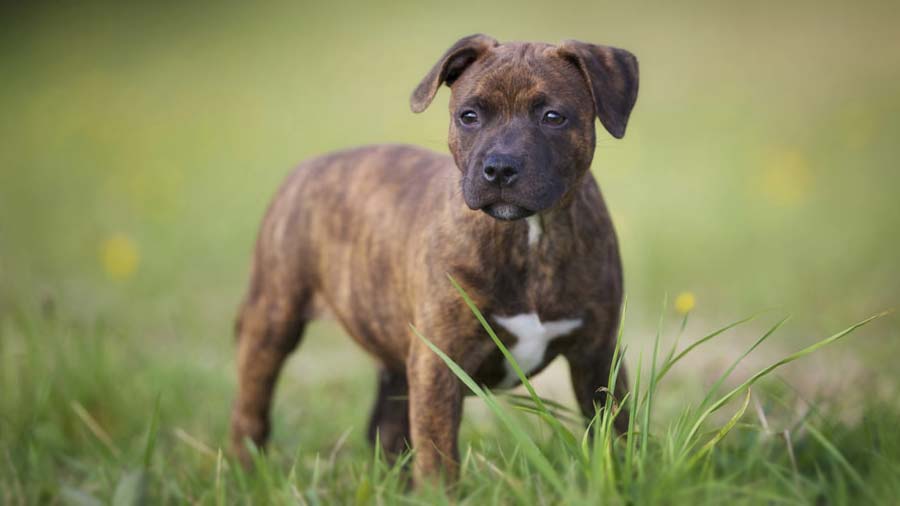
449,67
612,76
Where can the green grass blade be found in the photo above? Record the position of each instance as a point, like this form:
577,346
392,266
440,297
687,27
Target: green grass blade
669,363
220,483
708,447
675,343
756,377
550,403
152,433
840,459
586,437
633,411
648,410
615,368
529,408
721,379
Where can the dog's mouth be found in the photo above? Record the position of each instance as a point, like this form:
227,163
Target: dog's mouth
506,212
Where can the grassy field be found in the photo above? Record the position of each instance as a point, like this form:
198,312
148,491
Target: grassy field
759,176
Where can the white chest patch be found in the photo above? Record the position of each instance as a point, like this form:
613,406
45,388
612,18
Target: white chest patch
532,336
534,229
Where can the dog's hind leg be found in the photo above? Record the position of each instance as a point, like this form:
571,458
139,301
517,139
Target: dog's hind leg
269,328
390,414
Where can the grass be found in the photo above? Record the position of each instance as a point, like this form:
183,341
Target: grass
88,418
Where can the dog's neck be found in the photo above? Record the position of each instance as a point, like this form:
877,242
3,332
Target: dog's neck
528,261
560,224
535,229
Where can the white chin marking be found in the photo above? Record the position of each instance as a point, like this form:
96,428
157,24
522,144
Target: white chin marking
505,211
532,336
534,229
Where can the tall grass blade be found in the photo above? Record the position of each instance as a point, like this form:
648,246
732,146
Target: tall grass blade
840,459
756,377
651,390
616,366
95,428
633,411
721,379
669,363
708,447
526,400
220,483
152,433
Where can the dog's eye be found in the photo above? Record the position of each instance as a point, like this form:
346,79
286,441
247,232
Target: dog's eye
553,118
468,117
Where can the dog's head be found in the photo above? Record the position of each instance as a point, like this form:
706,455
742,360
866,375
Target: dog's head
522,116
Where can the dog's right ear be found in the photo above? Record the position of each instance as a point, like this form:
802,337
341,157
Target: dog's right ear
449,68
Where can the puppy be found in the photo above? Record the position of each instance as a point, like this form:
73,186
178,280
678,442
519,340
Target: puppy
514,215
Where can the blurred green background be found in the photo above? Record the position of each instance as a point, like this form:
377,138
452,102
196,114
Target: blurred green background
140,144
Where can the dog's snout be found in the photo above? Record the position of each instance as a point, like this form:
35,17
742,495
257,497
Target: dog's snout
501,170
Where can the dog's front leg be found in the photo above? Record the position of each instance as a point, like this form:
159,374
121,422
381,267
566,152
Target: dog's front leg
590,370
435,410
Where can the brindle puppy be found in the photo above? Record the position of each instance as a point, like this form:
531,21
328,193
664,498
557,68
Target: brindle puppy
369,235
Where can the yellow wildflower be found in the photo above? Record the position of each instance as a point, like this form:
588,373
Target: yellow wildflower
684,302
119,256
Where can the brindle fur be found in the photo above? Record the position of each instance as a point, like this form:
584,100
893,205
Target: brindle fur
369,234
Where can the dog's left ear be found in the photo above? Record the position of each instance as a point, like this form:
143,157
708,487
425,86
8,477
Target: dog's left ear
612,76
449,68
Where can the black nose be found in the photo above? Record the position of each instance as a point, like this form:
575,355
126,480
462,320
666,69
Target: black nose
501,170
